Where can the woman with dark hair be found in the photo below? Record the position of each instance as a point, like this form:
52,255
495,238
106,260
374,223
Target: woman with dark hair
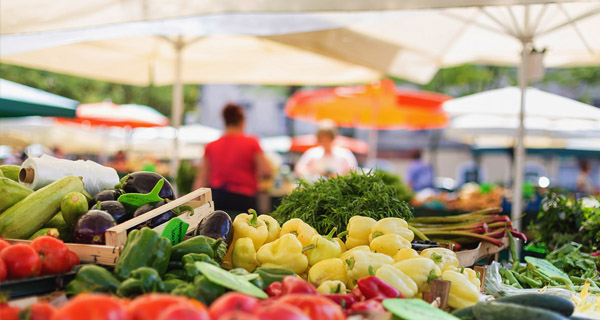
233,165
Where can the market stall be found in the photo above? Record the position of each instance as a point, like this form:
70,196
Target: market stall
356,252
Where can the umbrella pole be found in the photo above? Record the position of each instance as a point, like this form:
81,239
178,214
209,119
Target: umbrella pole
519,155
177,107
372,154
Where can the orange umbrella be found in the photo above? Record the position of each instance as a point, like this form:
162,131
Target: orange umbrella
302,143
110,114
375,106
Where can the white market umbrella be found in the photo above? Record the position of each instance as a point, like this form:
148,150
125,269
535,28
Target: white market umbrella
491,118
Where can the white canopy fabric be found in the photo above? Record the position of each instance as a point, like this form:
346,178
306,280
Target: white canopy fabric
30,16
491,119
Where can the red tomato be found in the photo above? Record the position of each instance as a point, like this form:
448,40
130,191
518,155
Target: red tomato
184,312
72,260
39,311
92,306
232,301
150,305
3,244
237,315
2,270
280,311
316,307
21,261
9,312
53,252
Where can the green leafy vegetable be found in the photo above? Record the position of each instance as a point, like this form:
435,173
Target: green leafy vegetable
332,202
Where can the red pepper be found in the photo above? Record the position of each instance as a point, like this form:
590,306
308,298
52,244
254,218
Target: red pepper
274,289
344,300
368,305
595,254
315,306
291,284
518,234
375,288
356,292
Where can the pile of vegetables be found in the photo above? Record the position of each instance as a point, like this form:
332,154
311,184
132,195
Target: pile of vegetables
563,219
483,225
43,256
64,210
329,203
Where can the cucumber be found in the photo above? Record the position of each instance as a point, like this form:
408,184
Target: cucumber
52,232
464,313
58,222
12,192
30,214
510,311
11,171
544,301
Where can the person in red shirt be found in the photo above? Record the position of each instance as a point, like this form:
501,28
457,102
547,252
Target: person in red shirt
233,165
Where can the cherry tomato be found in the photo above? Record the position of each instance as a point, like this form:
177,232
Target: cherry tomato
184,312
72,260
39,311
53,252
232,301
9,312
2,270
92,307
3,244
21,261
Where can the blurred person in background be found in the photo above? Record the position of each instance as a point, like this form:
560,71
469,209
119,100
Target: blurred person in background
326,160
584,183
420,174
233,165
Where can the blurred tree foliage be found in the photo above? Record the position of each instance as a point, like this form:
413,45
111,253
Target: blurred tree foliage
86,90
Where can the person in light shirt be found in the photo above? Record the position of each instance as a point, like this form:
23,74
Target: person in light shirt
325,160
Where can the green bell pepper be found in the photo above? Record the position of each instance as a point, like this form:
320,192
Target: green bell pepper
92,278
142,280
193,257
270,275
258,281
172,284
215,249
144,248
174,274
202,290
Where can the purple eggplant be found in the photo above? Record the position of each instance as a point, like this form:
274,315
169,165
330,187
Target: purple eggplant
106,195
91,226
144,181
116,210
156,221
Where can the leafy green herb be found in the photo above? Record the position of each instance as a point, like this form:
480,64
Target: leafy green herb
571,260
332,202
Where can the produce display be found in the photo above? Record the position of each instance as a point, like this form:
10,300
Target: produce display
341,248
470,197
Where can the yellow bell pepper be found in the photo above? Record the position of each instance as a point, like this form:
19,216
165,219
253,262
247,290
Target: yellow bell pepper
443,257
273,227
349,253
360,264
389,244
420,270
359,228
321,248
247,226
244,255
332,287
463,293
391,225
341,243
471,276
285,252
397,279
406,253
300,229
329,269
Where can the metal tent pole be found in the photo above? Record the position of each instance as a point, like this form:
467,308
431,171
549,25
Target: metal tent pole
517,203
177,106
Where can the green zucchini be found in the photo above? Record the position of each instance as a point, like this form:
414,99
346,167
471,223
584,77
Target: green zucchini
544,301
59,223
52,232
510,311
12,192
464,313
30,214
11,171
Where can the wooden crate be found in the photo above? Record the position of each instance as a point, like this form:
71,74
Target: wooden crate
200,200
488,250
